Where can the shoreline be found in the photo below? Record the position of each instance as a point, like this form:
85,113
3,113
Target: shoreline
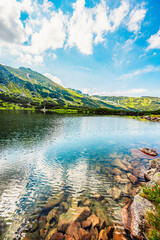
149,116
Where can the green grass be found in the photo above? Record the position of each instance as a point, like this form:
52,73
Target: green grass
153,217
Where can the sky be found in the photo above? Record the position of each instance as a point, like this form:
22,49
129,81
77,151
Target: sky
97,46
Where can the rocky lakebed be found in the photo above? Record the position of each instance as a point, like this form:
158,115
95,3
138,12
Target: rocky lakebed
116,213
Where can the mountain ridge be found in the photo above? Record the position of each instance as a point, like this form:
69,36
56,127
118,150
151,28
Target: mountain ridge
23,88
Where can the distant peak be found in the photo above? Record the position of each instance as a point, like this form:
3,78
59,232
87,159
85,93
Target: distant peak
23,68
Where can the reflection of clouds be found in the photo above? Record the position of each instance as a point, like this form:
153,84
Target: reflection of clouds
34,175
10,198
77,177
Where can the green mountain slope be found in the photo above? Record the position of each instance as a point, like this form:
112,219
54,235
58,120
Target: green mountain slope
24,88
132,103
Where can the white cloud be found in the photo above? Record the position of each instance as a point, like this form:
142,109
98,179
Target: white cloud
101,24
80,32
154,41
137,72
135,19
11,27
51,35
117,15
50,29
89,25
129,92
54,78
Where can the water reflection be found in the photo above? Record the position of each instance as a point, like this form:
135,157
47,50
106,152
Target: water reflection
42,155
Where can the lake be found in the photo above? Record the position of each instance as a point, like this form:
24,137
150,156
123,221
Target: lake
47,157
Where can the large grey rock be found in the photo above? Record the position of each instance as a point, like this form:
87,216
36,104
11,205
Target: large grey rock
139,208
155,163
148,175
156,178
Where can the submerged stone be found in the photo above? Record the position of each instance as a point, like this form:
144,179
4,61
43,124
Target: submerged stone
117,163
77,214
94,233
103,235
50,234
86,224
94,220
73,229
87,203
114,192
132,178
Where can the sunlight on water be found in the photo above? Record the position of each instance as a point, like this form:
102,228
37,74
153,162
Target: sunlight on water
44,155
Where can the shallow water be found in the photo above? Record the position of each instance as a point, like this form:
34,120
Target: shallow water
43,155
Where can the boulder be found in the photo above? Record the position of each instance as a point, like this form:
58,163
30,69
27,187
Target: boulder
100,212
86,224
139,208
87,203
83,234
64,206
155,163
116,171
57,236
156,178
73,229
102,224
77,214
149,151
50,234
121,180
117,163
110,230
67,237
118,235
94,220
103,235
94,233
126,215
114,192
133,215
53,215
54,201
97,196
135,163
132,178
149,174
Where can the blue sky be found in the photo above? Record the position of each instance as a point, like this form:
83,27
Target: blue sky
99,47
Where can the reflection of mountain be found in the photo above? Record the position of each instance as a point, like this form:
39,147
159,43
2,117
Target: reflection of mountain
28,129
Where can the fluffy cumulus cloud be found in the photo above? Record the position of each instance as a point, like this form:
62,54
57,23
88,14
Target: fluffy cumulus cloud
154,41
54,78
48,29
136,18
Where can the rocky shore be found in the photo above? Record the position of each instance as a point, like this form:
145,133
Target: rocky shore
149,118
135,212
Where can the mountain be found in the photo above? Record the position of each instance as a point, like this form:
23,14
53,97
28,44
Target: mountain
24,88
132,103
